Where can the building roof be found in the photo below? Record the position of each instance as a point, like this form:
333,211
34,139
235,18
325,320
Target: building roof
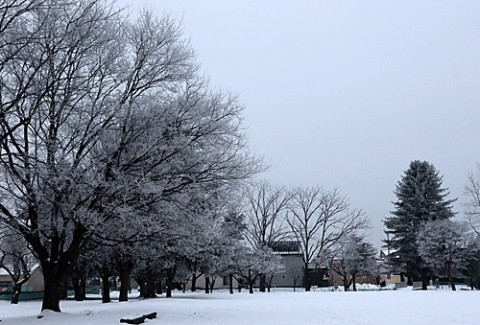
286,247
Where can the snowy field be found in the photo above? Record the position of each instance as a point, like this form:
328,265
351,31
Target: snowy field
370,307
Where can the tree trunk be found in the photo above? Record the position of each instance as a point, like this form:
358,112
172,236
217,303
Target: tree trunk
424,279
79,287
125,269
231,283
450,278
345,283
194,282
170,277
52,294
141,285
269,283
240,284
212,283
263,283
17,288
79,290
402,277
306,278
250,285
409,281
105,289
55,277
150,285
207,284
354,282
159,287
169,288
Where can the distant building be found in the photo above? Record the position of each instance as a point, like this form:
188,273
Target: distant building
32,289
388,267
292,260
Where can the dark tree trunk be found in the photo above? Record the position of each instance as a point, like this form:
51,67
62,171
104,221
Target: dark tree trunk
57,261
169,288
402,277
263,283
231,283
424,278
105,288
306,278
345,283
212,283
409,281
269,283
159,287
125,269
170,277
207,284
450,277
141,285
57,266
251,282
79,289
79,285
55,277
17,288
354,283
194,282
150,285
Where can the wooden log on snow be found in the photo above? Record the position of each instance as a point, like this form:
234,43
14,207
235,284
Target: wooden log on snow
136,320
150,316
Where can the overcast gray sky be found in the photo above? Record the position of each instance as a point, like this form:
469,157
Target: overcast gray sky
344,94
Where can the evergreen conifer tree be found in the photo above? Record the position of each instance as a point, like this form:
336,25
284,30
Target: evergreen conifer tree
420,198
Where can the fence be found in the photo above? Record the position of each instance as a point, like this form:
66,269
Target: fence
24,296
400,285
36,295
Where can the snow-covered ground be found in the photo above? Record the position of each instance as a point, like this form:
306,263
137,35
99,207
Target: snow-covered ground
280,307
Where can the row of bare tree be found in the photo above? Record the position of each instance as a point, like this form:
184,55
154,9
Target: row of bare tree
108,131
209,239
320,221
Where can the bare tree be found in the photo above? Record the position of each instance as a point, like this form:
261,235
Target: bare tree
250,264
265,216
318,220
443,246
100,121
473,205
65,77
16,259
353,257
